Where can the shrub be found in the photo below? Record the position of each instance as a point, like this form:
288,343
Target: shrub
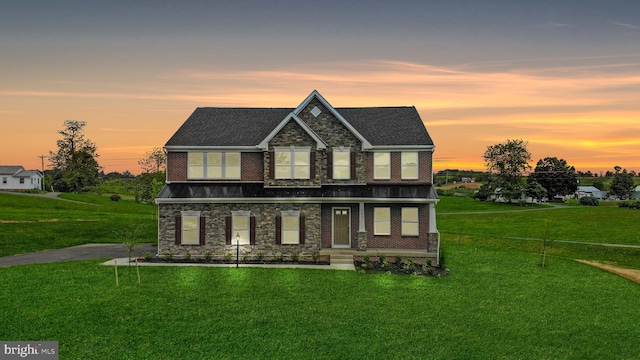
589,201
315,256
280,258
228,257
295,256
383,258
148,256
168,256
398,259
367,258
188,256
115,197
208,256
260,256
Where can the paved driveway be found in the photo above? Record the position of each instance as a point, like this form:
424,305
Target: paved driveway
80,252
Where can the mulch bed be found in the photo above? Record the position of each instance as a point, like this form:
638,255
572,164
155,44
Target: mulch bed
322,260
399,266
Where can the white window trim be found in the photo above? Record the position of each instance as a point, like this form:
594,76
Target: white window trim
417,165
416,221
289,213
292,165
205,165
379,165
348,166
188,214
235,230
376,222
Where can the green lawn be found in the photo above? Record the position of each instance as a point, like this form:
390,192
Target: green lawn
32,223
498,303
494,305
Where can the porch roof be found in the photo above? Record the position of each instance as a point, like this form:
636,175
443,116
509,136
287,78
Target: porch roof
258,191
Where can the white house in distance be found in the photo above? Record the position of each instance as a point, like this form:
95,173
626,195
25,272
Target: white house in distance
17,178
591,191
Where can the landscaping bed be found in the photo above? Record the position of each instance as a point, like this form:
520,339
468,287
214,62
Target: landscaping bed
398,265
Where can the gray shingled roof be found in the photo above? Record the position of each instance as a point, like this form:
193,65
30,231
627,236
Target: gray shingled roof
10,170
249,126
388,125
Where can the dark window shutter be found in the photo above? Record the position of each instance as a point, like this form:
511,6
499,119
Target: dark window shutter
302,229
278,230
178,230
203,230
227,233
252,230
312,164
272,165
329,165
353,165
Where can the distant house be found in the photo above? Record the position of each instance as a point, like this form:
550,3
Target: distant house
299,180
17,178
636,193
591,191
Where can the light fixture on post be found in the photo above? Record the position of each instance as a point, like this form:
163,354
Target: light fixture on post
237,248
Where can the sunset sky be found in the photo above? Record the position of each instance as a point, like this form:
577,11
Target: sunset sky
563,75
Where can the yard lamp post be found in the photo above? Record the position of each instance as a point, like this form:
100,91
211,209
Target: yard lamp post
237,248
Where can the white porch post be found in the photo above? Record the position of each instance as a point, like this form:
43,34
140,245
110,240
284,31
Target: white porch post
361,218
432,218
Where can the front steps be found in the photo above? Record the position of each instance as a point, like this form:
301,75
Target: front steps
342,261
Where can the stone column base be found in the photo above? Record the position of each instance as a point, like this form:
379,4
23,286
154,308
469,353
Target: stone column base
362,240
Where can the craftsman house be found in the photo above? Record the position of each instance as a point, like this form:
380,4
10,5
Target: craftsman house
18,179
298,180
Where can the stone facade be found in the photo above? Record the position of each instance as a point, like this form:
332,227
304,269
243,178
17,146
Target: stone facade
215,240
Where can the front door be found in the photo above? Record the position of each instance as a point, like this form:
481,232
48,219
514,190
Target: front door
341,228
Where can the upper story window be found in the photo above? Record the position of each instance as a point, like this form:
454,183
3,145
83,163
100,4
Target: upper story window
342,163
381,165
214,165
409,165
292,163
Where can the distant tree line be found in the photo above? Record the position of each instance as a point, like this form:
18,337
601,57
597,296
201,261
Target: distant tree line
74,168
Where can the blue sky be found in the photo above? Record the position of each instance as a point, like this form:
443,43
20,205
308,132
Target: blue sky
564,75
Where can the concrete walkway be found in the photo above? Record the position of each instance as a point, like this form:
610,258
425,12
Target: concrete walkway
80,252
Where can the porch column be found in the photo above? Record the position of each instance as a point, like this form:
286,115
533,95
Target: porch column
361,218
432,218
362,233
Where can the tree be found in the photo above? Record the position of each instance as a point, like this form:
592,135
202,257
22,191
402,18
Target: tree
622,185
556,176
507,162
154,161
74,164
535,191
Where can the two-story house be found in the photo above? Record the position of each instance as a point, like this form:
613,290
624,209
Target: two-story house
304,179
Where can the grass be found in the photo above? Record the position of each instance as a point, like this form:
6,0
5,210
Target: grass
33,224
497,303
494,305
522,230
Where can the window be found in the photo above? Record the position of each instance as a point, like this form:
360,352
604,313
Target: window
214,165
382,165
291,229
409,165
21,180
292,163
341,164
4,179
382,221
410,221
190,228
240,221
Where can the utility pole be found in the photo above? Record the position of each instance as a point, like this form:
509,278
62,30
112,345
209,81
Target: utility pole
42,158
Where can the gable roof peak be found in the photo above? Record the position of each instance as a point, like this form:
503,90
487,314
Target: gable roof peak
316,95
